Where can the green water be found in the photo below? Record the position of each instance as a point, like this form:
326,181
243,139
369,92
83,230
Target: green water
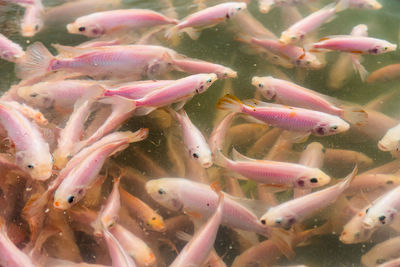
217,45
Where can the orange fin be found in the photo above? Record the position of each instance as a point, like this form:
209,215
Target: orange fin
194,214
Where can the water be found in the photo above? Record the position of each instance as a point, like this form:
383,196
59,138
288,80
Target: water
217,45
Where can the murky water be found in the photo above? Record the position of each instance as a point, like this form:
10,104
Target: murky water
217,44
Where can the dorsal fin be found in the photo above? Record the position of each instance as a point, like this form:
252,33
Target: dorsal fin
239,157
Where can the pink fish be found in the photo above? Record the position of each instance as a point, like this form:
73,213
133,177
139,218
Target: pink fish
217,136
10,255
9,50
108,216
107,22
32,22
206,18
194,140
117,61
32,157
289,93
178,91
137,90
274,173
365,4
199,247
73,187
353,44
294,54
296,210
198,66
300,29
285,117
119,257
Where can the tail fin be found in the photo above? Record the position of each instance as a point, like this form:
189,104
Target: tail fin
342,5
347,181
35,63
358,67
172,35
139,135
230,102
355,115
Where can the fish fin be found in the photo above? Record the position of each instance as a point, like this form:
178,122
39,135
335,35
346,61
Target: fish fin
183,236
220,159
243,37
355,115
116,100
172,35
237,156
342,5
358,67
138,136
193,33
297,137
274,188
194,214
283,240
230,102
142,111
36,62
258,207
179,106
69,51
92,93
349,178
251,119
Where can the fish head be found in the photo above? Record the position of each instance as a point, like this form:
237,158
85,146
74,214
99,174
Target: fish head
85,28
202,155
376,217
289,37
33,21
265,6
391,140
29,30
369,4
205,83
278,218
332,126
263,85
237,7
34,96
38,166
353,231
165,191
312,178
226,73
67,195
311,61
156,223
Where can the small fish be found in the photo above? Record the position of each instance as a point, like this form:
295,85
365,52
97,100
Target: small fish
205,18
10,254
108,22
385,74
118,61
32,22
383,210
285,117
134,246
294,54
296,210
109,215
195,66
179,91
273,173
31,156
370,182
381,252
352,44
145,213
9,50
73,187
119,256
391,140
300,29
217,137
289,93
365,4
199,247
194,140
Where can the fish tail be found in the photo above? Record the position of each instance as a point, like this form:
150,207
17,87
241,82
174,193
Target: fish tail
349,178
358,67
172,35
355,115
36,62
230,102
342,5
139,135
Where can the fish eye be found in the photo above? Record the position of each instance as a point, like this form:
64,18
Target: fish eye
314,180
225,74
263,222
70,199
385,48
334,127
33,95
209,80
382,219
278,221
357,235
389,182
82,29
308,62
161,191
380,261
195,155
36,27
293,37
260,85
366,211
30,166
238,8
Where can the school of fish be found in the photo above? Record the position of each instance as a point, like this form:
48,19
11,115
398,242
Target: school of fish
104,164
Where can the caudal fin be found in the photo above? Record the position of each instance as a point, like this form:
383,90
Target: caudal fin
139,135
35,63
355,115
230,102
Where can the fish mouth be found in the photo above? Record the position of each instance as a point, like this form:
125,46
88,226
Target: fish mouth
207,164
71,28
382,147
59,205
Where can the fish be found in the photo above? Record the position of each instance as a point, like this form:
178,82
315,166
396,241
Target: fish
32,21
206,18
9,50
109,22
285,117
195,142
354,230
31,156
385,74
289,93
274,173
119,256
136,90
197,250
195,66
108,216
381,252
73,187
359,45
116,61
294,211
365,4
300,29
